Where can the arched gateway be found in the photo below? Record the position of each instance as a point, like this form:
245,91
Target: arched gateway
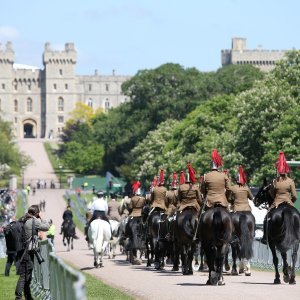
29,129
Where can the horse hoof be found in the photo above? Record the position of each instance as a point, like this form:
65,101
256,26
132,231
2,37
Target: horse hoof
227,267
72,247
241,271
148,264
247,273
234,272
277,281
65,244
156,266
95,264
221,282
196,267
213,278
292,281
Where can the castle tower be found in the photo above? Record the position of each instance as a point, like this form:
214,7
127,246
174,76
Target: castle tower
60,87
238,44
7,59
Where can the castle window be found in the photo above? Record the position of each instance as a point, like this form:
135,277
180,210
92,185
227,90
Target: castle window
29,87
107,105
90,102
54,86
60,104
15,86
106,87
29,105
60,72
66,86
3,86
16,105
60,119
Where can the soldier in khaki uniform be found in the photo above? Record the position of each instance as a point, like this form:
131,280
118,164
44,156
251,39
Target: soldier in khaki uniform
135,207
240,193
172,196
158,194
189,193
113,209
283,188
216,184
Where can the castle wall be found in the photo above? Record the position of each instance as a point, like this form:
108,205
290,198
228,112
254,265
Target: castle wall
265,60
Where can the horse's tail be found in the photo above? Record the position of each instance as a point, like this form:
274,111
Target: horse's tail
246,238
221,234
289,229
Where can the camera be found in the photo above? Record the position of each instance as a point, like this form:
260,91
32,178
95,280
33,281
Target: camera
38,256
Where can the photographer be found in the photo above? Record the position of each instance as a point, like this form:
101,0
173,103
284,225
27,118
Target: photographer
32,224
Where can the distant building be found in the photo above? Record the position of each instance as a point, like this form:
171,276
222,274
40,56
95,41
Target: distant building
37,102
239,55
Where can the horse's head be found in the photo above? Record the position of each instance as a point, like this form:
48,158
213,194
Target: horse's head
263,196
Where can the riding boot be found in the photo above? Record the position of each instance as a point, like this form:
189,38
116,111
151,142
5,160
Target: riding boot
61,230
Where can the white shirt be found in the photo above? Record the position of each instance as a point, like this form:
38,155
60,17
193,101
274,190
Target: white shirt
99,204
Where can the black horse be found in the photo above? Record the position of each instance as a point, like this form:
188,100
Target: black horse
134,230
282,232
156,232
184,231
68,230
215,234
244,232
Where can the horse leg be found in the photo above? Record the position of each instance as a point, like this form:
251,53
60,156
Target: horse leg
247,267
221,252
190,258
275,262
184,261
210,253
68,240
72,247
226,263
234,257
203,260
286,269
294,260
64,240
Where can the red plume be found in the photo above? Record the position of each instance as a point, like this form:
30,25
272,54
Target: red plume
154,182
175,180
281,164
216,158
182,178
161,177
135,186
192,172
242,176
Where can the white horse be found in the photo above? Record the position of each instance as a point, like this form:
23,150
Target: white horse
112,244
99,234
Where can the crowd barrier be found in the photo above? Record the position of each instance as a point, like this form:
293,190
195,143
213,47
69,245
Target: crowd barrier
64,283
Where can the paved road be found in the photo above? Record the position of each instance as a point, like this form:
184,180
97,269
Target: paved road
139,281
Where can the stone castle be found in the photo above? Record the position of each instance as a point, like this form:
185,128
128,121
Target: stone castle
265,60
38,101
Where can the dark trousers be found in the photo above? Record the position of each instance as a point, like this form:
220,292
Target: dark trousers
25,268
11,257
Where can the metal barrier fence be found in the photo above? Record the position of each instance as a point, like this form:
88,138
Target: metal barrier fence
262,257
64,284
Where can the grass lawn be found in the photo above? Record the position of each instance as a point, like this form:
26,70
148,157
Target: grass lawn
7,283
95,289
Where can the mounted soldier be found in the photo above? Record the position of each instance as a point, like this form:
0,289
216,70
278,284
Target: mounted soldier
158,195
134,227
215,185
282,189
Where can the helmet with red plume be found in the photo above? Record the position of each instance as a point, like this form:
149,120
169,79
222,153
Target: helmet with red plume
174,183
192,174
242,179
281,164
136,188
182,178
216,160
161,177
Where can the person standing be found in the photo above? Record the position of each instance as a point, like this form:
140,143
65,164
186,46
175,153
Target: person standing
33,223
51,232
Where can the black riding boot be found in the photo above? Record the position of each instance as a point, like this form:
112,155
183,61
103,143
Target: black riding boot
263,240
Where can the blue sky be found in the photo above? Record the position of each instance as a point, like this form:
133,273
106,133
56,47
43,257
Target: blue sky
129,36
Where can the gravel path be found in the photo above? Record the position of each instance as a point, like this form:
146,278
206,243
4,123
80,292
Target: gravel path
139,281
